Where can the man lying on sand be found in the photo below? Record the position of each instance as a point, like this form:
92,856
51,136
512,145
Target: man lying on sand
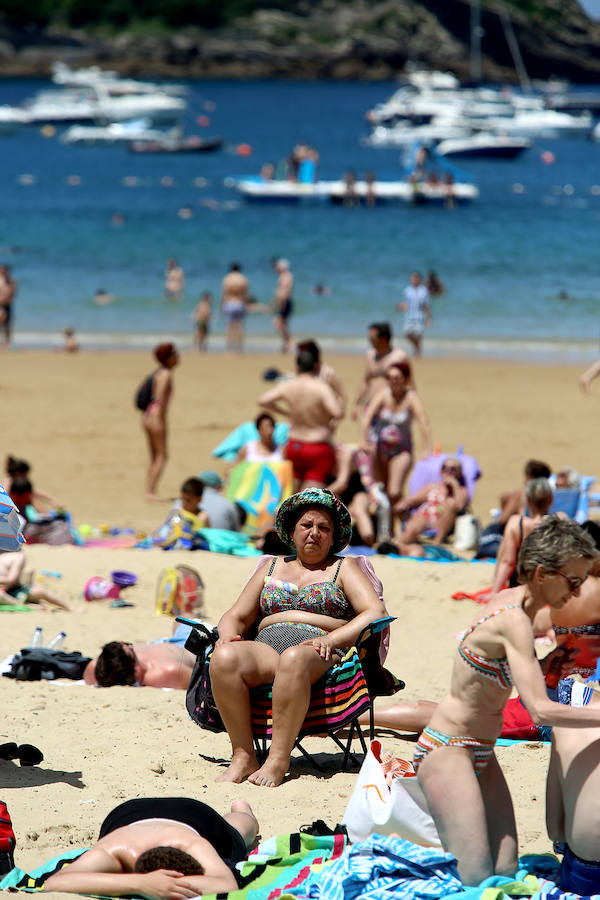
165,848
161,665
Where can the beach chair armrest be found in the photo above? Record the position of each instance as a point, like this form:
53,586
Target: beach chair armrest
373,628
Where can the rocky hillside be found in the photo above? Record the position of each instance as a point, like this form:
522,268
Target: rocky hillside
365,39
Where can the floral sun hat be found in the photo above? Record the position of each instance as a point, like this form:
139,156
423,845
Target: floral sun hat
290,509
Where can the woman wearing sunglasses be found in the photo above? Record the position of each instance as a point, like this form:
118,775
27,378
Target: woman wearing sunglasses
435,506
467,794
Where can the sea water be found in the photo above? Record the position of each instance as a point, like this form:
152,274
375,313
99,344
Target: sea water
507,259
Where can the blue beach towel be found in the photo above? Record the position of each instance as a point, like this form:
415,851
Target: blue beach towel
247,431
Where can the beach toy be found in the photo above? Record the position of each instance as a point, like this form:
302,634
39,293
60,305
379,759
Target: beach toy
123,578
97,588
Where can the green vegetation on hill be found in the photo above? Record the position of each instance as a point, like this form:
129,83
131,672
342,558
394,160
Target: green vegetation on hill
171,13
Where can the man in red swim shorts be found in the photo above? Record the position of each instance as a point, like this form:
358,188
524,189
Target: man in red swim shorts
314,411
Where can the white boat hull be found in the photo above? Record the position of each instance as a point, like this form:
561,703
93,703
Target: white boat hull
260,191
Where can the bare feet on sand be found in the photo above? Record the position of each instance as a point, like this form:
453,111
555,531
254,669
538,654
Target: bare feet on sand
271,773
241,766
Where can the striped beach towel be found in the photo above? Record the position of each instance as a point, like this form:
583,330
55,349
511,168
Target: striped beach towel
336,699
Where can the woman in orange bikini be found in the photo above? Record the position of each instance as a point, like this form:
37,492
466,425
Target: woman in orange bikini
466,791
154,419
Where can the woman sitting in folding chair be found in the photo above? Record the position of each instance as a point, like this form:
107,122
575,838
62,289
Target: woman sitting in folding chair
308,609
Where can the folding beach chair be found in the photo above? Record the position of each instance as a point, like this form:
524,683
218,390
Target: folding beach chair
337,699
575,502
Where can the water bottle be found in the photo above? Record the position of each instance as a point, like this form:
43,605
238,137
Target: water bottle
57,641
37,638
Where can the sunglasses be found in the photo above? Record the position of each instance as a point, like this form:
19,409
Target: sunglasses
572,583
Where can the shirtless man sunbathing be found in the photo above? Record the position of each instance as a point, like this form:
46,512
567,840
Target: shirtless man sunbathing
573,804
165,848
148,665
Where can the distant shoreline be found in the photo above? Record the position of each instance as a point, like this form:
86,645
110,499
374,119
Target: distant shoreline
542,351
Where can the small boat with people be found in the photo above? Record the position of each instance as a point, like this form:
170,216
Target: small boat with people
358,192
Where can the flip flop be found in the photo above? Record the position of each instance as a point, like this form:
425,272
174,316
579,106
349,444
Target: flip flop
30,755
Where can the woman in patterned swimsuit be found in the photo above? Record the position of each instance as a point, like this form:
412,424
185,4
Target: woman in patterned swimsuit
308,609
467,794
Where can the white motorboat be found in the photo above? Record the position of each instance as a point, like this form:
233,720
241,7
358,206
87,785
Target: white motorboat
542,123
11,117
116,85
117,133
483,145
93,104
403,134
256,189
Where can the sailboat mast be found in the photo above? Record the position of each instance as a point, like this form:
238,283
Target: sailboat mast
476,33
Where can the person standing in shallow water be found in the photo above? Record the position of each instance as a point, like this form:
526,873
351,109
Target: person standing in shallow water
154,418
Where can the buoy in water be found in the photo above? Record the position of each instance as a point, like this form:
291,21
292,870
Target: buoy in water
26,178
548,158
167,181
130,181
518,188
244,150
73,180
203,121
200,182
48,131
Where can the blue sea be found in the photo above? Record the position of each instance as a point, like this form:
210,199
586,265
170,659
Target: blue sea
505,259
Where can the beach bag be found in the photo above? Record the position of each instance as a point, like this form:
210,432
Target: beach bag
143,395
180,592
35,663
7,840
489,541
466,532
199,700
388,799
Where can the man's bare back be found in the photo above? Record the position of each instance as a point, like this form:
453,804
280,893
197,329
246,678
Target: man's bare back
109,867
157,665
310,405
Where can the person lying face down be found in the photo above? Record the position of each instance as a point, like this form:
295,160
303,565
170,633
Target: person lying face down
160,665
165,848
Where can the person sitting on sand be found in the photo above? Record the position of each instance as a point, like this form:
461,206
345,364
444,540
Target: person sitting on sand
309,608
21,491
160,665
71,344
512,503
264,449
572,809
539,496
12,590
436,507
165,848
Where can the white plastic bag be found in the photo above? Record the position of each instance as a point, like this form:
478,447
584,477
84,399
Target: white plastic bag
466,532
399,808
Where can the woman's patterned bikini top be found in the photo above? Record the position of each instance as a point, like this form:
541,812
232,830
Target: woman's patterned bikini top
497,669
325,598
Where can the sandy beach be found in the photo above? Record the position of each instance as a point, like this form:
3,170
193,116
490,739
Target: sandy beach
73,418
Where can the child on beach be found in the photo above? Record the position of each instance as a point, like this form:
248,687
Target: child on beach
21,491
14,592
201,319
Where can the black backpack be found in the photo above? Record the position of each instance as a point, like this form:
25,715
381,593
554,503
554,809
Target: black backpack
143,397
